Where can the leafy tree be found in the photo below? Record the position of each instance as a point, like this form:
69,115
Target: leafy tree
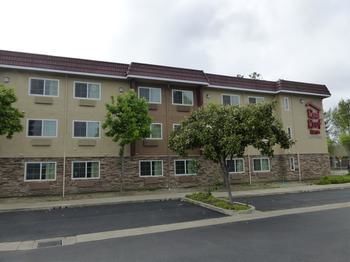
341,116
224,132
10,117
127,121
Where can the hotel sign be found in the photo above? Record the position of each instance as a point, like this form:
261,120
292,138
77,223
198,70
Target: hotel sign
313,119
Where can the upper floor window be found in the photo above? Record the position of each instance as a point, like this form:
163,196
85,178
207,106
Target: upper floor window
43,87
156,131
40,171
87,129
151,94
255,99
87,90
230,100
42,128
235,165
289,131
182,97
286,105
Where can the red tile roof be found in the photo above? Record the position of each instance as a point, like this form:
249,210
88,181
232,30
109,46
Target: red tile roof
167,72
156,72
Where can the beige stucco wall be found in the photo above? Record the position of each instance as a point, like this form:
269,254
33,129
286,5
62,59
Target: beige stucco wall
296,118
64,105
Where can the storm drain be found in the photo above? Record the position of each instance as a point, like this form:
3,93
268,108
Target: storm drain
50,243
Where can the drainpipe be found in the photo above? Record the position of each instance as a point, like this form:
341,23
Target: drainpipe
249,171
299,167
65,106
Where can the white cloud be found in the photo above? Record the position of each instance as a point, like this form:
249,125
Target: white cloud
296,39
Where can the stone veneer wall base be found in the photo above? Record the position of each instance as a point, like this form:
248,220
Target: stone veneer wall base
12,175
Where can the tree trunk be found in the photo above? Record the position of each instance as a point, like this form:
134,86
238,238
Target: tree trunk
227,180
121,154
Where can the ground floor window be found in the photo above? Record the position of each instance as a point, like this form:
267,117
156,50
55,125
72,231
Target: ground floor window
151,167
261,164
292,163
185,167
235,165
42,171
85,169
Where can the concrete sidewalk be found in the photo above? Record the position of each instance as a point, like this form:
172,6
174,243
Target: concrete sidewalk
37,203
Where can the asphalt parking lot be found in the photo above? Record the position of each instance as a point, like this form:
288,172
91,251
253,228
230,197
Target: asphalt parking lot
30,225
294,200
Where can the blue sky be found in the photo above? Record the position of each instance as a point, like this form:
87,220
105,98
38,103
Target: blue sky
301,40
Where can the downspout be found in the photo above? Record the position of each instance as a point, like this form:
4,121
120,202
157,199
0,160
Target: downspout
249,171
299,167
65,106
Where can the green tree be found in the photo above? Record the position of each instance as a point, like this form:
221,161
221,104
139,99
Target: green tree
341,116
127,121
10,117
224,132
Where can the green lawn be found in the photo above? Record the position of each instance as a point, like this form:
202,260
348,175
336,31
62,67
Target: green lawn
326,180
208,198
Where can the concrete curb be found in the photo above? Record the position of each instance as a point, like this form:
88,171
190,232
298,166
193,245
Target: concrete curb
22,206
121,233
219,209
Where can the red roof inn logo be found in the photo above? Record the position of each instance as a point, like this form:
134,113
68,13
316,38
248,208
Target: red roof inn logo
313,119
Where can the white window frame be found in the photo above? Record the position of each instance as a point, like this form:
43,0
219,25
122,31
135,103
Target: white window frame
161,132
235,159
146,87
286,104
230,95
176,124
151,167
257,97
290,132
87,92
85,178
177,160
42,128
45,79
292,163
178,90
261,171
86,137
39,162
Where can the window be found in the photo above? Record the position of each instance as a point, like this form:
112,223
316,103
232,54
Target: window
151,94
261,164
185,167
43,87
289,131
286,103
176,127
230,100
292,163
182,97
85,169
156,131
87,129
255,99
151,167
42,128
39,171
87,90
235,165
